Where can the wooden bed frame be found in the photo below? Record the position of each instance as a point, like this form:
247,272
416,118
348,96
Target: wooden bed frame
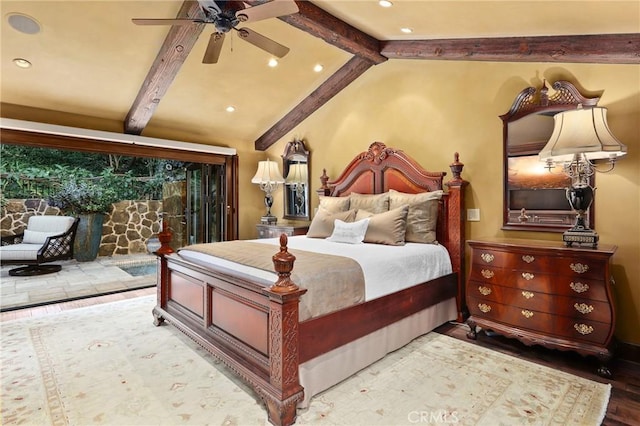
253,326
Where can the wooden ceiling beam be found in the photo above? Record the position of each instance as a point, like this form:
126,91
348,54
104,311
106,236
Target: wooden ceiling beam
592,49
174,51
327,90
319,23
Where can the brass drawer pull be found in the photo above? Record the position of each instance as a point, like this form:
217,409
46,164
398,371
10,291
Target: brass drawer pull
527,314
484,307
528,294
487,273
583,329
528,276
583,308
579,287
485,291
579,268
528,258
487,257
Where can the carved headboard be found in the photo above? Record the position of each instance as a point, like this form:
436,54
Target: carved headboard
382,168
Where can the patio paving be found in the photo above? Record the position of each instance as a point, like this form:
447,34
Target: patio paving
76,280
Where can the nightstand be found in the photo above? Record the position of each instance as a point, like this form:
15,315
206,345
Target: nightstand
284,227
543,293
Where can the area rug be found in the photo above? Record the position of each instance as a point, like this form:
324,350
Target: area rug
108,365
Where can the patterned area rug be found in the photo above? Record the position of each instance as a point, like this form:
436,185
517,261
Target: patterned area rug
108,365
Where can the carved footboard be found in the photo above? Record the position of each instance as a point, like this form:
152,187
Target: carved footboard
252,327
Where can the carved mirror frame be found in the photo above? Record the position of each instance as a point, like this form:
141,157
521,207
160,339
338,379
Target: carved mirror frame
534,197
296,203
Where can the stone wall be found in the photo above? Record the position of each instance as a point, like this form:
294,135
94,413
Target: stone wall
127,228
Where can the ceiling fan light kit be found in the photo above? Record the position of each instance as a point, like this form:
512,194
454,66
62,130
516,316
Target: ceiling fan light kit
223,15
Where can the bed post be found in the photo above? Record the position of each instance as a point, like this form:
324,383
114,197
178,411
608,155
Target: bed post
456,230
164,237
285,392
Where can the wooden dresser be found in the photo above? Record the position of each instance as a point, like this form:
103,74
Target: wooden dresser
285,227
544,293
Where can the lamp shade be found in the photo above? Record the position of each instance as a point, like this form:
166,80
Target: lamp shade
582,131
268,172
297,173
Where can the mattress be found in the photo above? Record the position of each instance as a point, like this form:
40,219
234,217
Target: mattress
386,269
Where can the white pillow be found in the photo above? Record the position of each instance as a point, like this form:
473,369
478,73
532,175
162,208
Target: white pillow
349,233
37,237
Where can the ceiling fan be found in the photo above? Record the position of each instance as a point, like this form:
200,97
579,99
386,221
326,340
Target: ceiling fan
225,15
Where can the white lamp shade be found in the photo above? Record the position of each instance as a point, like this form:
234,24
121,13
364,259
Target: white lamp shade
268,172
297,173
582,131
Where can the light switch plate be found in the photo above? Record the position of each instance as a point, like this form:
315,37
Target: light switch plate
473,215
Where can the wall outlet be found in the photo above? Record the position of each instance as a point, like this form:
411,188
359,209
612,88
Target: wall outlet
473,215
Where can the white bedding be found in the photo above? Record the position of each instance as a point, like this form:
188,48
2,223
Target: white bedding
387,269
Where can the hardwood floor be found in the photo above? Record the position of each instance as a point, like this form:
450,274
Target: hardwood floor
624,405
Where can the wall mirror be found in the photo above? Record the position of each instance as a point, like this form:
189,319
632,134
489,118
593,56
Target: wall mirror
295,167
535,197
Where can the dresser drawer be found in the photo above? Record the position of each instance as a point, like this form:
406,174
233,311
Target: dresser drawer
578,267
572,307
512,260
541,322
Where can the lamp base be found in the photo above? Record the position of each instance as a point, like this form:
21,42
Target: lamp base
582,237
268,220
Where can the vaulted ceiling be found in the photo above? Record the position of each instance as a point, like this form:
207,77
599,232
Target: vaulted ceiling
90,59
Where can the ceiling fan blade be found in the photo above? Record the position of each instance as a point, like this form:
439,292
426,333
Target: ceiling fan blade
272,9
214,48
264,43
164,21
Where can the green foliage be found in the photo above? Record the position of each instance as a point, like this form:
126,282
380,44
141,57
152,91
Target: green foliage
28,172
73,197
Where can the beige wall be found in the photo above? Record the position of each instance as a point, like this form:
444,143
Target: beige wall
430,109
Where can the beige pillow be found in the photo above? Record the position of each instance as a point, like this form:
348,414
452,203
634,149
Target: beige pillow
374,203
423,214
334,204
323,222
385,228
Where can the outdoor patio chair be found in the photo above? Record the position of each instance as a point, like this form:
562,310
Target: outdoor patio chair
46,239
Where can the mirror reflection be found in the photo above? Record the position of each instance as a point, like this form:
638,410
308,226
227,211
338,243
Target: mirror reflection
295,164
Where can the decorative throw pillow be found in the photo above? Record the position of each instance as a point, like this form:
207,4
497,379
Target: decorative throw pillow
386,228
323,222
374,203
334,204
349,233
423,214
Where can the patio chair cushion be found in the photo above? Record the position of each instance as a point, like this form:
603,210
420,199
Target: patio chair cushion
18,252
47,223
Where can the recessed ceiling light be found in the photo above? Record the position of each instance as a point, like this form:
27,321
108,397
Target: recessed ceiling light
273,62
230,108
318,68
22,63
385,3
23,23
406,30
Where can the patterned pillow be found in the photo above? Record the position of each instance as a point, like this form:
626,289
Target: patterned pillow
374,203
422,217
349,233
334,204
323,222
